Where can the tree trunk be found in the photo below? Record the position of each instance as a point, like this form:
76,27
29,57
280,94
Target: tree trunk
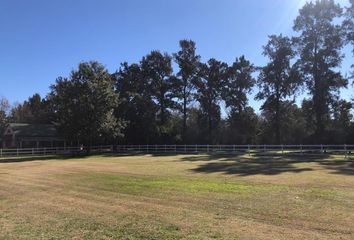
277,122
184,115
318,100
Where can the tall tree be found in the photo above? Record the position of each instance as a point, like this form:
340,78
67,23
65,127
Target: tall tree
84,104
319,44
278,80
158,72
238,84
137,107
188,62
208,93
241,120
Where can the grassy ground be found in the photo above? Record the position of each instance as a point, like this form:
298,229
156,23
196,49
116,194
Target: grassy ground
177,197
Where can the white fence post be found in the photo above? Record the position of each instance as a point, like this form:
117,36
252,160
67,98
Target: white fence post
345,150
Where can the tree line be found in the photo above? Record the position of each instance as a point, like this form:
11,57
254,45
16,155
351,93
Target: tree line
150,102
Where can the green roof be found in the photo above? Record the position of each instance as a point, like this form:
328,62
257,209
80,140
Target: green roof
34,130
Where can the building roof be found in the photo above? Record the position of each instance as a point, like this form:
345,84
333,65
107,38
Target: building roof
34,130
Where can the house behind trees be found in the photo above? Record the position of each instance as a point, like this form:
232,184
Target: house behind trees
24,135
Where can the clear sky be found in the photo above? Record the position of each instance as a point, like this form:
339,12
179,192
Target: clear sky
43,39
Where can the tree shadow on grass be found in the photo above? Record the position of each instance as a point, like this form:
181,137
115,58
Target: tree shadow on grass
40,158
345,167
213,157
246,166
187,155
29,158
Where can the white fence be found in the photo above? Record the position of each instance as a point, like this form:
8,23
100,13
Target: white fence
28,152
186,149
239,149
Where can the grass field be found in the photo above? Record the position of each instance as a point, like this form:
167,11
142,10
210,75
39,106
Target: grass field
177,197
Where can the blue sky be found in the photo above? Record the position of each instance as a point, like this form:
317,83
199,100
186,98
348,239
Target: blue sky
41,40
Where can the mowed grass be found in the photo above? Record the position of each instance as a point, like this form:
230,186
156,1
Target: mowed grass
177,197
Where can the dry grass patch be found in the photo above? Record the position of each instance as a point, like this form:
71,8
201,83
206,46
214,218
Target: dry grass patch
177,197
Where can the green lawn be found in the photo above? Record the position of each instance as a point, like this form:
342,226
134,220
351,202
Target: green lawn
177,197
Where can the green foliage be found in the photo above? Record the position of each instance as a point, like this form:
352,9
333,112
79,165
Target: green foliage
157,72
208,94
348,23
34,110
238,84
277,81
188,63
242,127
338,130
137,107
293,125
4,107
84,104
319,46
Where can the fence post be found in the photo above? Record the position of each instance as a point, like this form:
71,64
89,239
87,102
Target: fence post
17,151
234,149
175,148
0,152
345,150
301,149
196,148
207,148
249,150
321,149
282,149
185,148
